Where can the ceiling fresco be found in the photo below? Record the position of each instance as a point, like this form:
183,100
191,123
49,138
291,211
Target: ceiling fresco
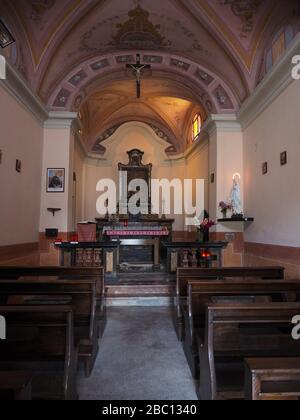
205,55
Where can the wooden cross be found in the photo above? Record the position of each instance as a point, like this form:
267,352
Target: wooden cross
138,68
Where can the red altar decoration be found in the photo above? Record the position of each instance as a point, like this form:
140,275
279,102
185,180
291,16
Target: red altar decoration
137,233
87,232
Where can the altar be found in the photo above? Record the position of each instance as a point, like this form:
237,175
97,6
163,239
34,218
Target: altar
136,242
140,242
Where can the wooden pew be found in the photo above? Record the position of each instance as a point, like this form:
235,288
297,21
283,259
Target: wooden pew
61,272
235,332
15,386
66,273
41,339
242,273
203,292
82,295
273,379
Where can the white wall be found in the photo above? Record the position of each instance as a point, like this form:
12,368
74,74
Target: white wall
21,137
274,199
225,160
58,153
79,169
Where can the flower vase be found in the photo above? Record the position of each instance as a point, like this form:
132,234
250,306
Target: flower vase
200,236
203,235
224,213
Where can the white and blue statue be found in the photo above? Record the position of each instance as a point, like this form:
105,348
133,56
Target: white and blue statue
236,197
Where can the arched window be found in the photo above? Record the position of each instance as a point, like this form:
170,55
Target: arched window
197,124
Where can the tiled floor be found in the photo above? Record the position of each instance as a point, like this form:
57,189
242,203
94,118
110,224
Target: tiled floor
140,358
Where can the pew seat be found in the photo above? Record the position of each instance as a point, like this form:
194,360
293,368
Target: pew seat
82,295
201,293
15,386
40,339
236,332
213,274
272,379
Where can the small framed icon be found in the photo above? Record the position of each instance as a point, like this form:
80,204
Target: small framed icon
18,166
265,168
283,158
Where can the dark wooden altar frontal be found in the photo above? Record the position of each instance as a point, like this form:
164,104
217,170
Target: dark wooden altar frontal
194,254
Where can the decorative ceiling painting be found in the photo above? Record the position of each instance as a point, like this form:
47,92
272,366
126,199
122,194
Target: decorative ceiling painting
204,55
139,32
246,11
39,9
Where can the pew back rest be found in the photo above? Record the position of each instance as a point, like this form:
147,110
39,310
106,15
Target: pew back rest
39,335
235,332
31,327
82,293
256,318
202,293
239,273
272,379
61,272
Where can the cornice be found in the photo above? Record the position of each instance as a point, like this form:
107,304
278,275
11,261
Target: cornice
275,82
222,123
60,120
19,89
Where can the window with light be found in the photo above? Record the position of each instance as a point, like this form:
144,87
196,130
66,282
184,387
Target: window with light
197,124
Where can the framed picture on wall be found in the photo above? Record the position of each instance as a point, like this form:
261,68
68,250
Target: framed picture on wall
265,168
18,166
283,158
55,180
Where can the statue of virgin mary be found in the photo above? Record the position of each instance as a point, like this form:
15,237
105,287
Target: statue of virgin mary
235,196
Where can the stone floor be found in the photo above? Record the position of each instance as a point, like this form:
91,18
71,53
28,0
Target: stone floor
140,358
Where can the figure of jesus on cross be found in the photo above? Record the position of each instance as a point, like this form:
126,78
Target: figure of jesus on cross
138,69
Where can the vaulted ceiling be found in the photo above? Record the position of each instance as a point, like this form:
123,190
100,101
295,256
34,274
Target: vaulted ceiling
205,56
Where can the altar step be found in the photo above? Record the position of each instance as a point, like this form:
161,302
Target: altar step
140,294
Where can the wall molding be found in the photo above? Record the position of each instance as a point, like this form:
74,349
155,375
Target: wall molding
19,89
227,123
274,83
60,120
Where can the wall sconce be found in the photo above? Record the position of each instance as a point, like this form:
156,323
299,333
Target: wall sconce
6,37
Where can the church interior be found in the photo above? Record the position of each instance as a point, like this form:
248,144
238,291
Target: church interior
167,303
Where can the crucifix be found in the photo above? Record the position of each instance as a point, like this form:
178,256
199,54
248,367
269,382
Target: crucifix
138,68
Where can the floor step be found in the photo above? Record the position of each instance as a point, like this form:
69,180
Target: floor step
140,290
140,295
